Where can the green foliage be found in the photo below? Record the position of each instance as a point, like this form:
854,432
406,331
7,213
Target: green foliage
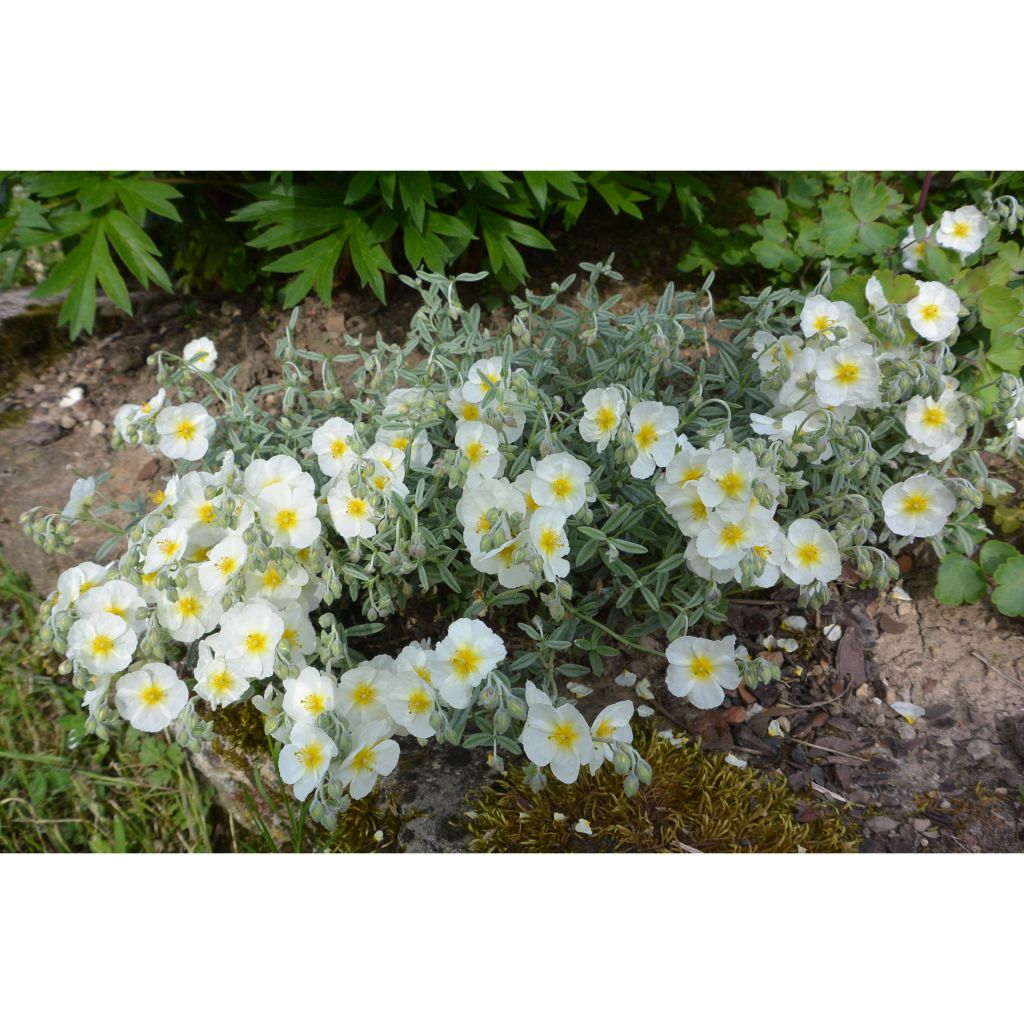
696,799
96,226
1000,566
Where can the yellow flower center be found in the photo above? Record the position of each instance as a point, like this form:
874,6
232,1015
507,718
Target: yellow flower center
847,373
152,694
916,503
272,579
605,419
290,635
561,487
311,756
256,642
531,505
731,484
646,436
483,524
604,730
808,554
693,473
919,249
364,694
564,735
101,645
186,430
961,229
701,666
470,412
698,510
168,548
822,322
338,448
206,512
356,508
157,497
507,554
733,534
364,760
929,312
933,416
549,541
465,660
419,703
189,606
286,519
221,682
314,703
475,452
226,565
423,672
401,443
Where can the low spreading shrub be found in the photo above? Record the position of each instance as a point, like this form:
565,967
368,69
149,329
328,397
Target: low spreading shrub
444,538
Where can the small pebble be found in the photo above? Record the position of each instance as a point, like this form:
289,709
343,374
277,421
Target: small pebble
881,823
67,422
96,428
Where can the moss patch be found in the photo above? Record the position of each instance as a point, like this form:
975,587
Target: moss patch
696,799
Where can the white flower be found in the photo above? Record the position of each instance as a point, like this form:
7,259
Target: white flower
479,444
794,623
151,698
388,464
116,597
280,469
848,374
305,759
185,431
963,230
933,312
819,316
811,553
654,434
202,354
725,540
78,580
82,491
558,737
913,250
373,754
308,695
416,446
501,562
276,584
727,481
936,427
687,466
223,562
298,630
166,548
833,632
464,658
249,635
702,670
474,509
687,509
547,535
560,483
911,712
289,514
774,352
410,698
875,294
465,410
363,690
193,612
604,409
332,445
482,376
917,507
218,681
611,725
101,643
352,515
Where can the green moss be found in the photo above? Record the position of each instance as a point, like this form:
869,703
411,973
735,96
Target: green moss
359,825
239,736
696,799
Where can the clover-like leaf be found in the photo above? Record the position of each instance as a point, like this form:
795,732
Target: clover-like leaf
960,581
1008,595
994,553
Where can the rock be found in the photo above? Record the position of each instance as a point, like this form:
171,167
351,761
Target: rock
96,427
979,750
881,824
42,432
68,422
334,323
906,731
922,824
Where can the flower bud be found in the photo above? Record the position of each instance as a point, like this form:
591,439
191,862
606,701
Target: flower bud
631,785
517,708
621,761
644,772
502,720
